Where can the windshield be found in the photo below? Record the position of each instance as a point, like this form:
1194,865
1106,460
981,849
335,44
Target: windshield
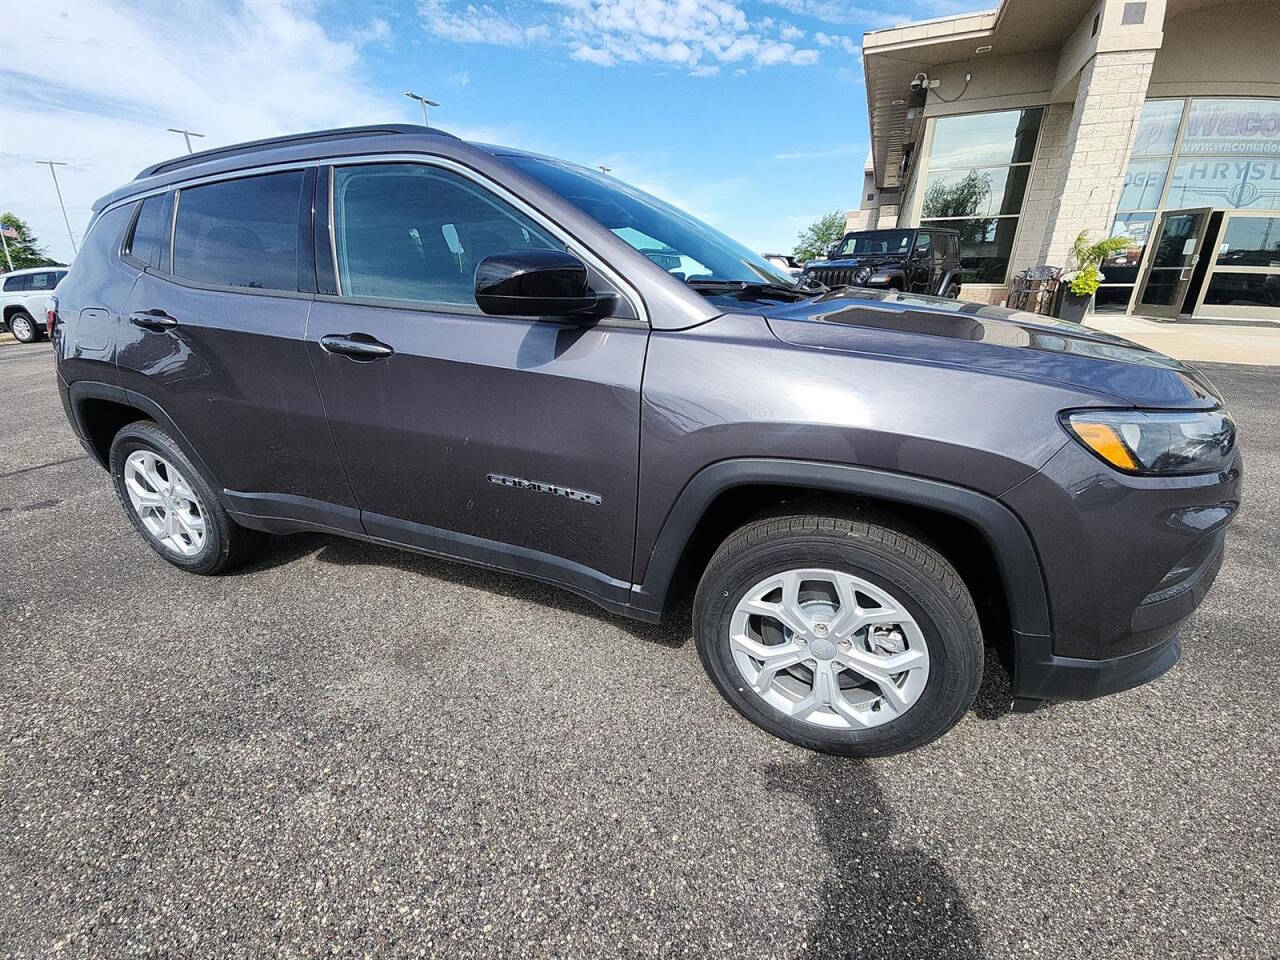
683,246
876,242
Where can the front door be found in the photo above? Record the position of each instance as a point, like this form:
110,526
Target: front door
503,440
1176,251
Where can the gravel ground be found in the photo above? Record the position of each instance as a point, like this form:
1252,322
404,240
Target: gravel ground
351,751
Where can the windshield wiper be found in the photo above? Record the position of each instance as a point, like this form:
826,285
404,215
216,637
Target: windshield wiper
751,290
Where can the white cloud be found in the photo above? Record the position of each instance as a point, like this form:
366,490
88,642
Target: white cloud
376,32
847,44
696,35
96,85
478,24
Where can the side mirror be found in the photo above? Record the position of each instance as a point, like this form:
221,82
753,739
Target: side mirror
537,283
833,251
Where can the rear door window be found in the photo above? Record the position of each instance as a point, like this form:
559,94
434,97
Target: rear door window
240,233
43,281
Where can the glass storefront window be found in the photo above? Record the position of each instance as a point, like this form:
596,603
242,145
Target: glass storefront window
1250,242
1243,184
975,193
1232,125
1244,290
985,139
976,180
985,246
1123,267
1157,128
1143,184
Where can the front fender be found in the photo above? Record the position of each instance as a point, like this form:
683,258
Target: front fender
1009,541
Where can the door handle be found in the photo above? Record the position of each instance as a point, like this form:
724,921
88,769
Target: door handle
152,320
357,346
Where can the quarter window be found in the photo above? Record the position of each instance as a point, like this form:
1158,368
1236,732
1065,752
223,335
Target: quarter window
407,231
150,231
43,281
18,283
240,233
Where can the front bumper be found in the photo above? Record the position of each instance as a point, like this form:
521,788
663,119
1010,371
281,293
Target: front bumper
1125,561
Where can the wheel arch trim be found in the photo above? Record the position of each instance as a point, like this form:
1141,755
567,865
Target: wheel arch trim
1011,545
82,390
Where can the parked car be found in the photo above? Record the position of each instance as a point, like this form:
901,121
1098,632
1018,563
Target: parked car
787,263
24,296
914,260
390,334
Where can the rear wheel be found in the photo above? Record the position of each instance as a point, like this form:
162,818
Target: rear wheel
23,327
172,505
839,633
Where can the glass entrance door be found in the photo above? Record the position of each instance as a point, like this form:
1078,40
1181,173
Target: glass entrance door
1244,277
1179,237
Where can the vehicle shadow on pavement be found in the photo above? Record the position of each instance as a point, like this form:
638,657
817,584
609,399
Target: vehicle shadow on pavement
874,899
342,552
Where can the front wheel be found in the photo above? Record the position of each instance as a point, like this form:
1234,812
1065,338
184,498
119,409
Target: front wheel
838,633
23,327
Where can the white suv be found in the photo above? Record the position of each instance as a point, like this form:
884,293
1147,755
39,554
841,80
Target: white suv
23,296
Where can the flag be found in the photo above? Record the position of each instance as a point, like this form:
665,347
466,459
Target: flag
10,232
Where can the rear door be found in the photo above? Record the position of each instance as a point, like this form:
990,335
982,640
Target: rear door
504,440
214,333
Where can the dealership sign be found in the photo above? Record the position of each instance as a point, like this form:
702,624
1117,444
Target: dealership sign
1223,126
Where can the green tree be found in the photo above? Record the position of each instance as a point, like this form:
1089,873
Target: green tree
25,250
964,198
818,237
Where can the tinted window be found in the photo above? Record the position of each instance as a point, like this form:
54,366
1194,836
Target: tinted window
150,231
240,233
924,244
43,281
406,231
13,284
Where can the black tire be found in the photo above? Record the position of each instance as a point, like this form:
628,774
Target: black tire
226,544
880,551
23,327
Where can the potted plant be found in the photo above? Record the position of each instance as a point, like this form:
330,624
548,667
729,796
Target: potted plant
1082,282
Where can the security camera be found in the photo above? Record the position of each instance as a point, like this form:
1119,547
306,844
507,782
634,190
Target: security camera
919,82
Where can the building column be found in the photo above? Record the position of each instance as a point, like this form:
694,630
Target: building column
1104,122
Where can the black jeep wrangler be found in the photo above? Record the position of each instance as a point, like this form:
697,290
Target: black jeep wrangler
914,260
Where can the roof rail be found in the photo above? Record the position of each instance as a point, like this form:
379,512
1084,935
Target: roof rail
252,146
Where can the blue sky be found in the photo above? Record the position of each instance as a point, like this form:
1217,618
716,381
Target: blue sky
750,115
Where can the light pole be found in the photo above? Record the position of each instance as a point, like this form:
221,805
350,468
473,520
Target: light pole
53,165
186,135
424,102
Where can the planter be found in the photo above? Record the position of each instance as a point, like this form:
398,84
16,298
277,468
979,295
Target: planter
1073,307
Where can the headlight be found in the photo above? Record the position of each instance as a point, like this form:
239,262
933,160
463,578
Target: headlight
1156,442
862,274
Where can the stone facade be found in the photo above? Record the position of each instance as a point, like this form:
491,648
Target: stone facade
1042,188
1104,122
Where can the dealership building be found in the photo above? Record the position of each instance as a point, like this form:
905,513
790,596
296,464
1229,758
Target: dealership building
1025,125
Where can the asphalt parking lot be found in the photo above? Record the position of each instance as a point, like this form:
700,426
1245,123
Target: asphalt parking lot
346,750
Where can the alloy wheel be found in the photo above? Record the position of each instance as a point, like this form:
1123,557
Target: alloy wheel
20,326
829,648
165,502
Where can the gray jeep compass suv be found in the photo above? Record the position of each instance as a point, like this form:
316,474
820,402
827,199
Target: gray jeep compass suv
477,353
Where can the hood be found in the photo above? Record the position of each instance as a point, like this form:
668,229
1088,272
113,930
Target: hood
1004,342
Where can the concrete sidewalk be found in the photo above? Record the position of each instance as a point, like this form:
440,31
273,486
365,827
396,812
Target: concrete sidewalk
1203,342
